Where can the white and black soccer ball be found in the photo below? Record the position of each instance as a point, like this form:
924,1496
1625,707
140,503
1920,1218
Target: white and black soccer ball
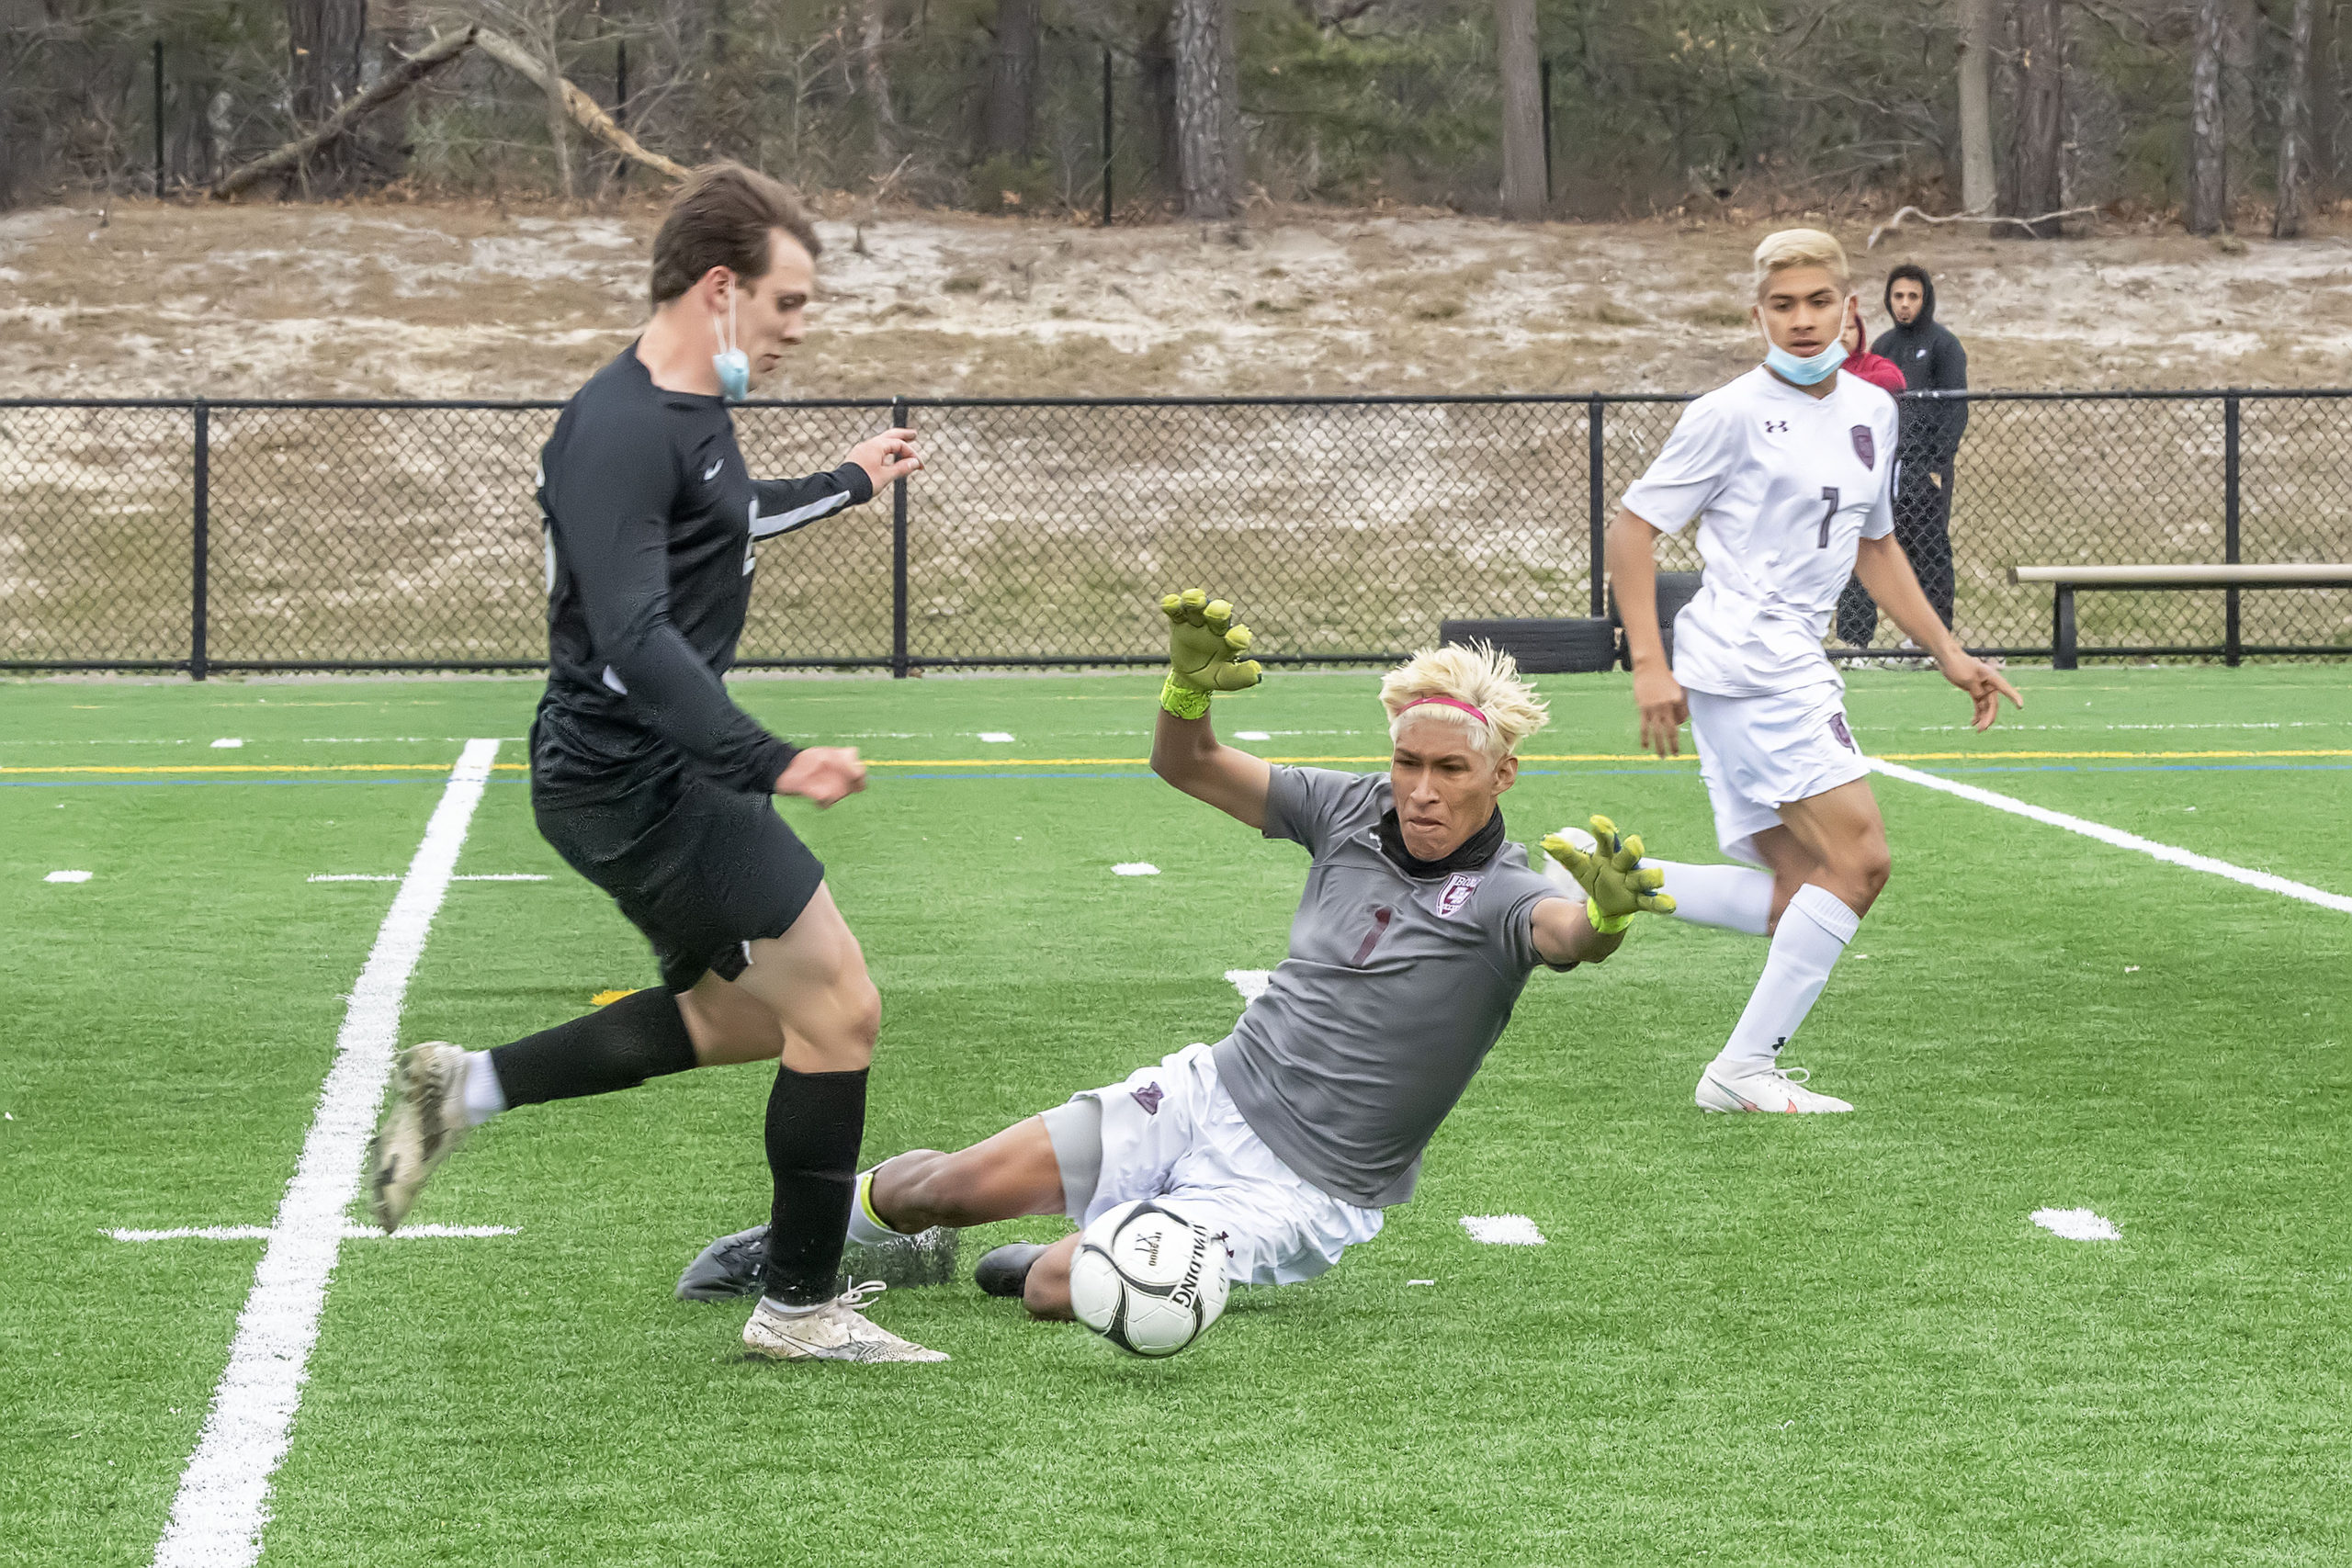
1147,1280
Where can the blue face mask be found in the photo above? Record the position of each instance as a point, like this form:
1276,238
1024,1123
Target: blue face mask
733,366
1806,372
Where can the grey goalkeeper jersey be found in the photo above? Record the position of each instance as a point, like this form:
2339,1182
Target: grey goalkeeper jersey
1394,989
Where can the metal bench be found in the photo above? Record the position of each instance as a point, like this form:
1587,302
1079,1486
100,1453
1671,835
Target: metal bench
2068,581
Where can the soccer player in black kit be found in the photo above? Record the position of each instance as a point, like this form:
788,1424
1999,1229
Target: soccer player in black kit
651,782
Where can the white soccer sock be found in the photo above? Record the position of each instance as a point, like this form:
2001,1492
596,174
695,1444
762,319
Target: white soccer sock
485,1097
862,1229
1813,930
1732,897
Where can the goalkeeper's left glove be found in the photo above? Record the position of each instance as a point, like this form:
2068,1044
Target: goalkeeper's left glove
1616,888
1205,653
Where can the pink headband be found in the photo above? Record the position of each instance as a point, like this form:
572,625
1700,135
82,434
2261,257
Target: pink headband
1449,702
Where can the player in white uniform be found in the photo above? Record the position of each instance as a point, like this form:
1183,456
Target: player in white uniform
1789,471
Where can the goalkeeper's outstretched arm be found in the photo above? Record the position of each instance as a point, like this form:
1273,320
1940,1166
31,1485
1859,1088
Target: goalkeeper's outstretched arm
1205,650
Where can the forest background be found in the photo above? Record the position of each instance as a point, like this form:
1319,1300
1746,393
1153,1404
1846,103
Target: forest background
1592,109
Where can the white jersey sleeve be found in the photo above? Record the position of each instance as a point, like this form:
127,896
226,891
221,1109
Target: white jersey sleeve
1879,521
1689,474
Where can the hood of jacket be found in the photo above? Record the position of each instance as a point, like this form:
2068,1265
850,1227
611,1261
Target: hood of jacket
1918,275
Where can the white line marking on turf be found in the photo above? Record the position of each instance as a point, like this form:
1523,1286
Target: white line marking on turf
67,876
2075,1225
996,736
350,1233
478,876
1135,868
2118,837
1250,983
223,1502
1502,1230
227,743
1252,735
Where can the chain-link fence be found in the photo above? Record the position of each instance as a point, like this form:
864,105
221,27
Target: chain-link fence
276,536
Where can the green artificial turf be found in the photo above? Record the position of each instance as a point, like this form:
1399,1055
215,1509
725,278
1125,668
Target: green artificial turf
1753,1340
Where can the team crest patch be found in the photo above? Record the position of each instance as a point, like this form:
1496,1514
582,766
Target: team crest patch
1458,888
1845,735
1149,1097
1865,447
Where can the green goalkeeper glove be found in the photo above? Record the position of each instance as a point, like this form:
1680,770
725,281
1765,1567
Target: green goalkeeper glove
1616,888
1205,650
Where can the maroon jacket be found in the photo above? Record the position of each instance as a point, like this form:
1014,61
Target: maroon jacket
1883,374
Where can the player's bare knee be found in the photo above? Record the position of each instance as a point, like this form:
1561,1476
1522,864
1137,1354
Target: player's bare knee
1046,1294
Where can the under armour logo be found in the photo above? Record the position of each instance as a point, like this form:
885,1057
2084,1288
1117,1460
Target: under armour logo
707,474
1776,427
1149,1097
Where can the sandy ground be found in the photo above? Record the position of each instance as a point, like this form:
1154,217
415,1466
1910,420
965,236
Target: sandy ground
454,300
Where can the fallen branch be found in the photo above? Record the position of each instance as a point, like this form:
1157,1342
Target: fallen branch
1896,221
583,109
292,155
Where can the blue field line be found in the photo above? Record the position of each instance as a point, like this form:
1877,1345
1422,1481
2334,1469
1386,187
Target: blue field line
2158,768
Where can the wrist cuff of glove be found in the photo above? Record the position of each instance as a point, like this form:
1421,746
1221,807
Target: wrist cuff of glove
1185,702
1606,925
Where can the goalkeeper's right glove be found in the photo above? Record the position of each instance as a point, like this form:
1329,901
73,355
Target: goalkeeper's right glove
1616,888
1205,650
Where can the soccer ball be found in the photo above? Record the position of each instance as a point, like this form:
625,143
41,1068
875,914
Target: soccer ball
1147,1280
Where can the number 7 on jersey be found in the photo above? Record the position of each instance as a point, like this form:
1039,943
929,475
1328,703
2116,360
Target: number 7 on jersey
1829,511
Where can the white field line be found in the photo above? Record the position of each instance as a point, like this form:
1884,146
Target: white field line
1250,983
223,1502
2075,1225
2119,838
1502,1230
350,1233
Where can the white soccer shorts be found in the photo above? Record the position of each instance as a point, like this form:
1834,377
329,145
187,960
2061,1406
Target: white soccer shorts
1172,1132
1759,754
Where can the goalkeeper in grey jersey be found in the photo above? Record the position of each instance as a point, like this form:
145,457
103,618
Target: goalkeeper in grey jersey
1420,923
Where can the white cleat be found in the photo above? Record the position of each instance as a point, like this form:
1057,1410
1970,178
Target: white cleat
838,1331
1763,1088
427,1120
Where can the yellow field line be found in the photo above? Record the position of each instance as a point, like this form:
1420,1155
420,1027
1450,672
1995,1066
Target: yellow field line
281,768
1145,761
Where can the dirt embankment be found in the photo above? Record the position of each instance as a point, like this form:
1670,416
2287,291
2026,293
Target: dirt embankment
472,301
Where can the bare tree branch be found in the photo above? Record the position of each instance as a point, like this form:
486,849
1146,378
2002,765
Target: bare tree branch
1891,224
292,155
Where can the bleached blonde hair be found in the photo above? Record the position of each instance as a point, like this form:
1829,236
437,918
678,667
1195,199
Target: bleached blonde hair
1482,676
1801,247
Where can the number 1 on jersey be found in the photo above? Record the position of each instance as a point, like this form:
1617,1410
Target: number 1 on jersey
1828,494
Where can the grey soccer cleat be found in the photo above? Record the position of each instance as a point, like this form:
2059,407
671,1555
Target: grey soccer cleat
838,1331
733,1265
425,1121
728,1267
1004,1270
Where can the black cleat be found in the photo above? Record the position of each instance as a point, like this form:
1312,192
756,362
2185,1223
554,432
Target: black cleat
734,1264
729,1267
1004,1270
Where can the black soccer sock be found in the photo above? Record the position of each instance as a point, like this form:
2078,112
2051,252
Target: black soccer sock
642,1036
816,1121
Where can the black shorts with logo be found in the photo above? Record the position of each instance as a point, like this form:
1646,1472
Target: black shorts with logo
702,870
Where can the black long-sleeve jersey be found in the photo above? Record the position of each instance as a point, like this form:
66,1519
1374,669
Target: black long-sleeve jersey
652,522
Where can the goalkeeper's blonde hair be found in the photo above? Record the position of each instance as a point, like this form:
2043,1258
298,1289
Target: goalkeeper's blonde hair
1485,677
1801,247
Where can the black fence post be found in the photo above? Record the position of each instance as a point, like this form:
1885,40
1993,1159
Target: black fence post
159,119
1598,526
620,105
200,563
2233,647
1106,136
898,559
1545,73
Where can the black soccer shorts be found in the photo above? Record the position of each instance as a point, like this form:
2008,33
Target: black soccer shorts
702,870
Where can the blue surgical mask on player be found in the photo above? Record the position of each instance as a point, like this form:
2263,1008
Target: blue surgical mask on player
1807,370
733,366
